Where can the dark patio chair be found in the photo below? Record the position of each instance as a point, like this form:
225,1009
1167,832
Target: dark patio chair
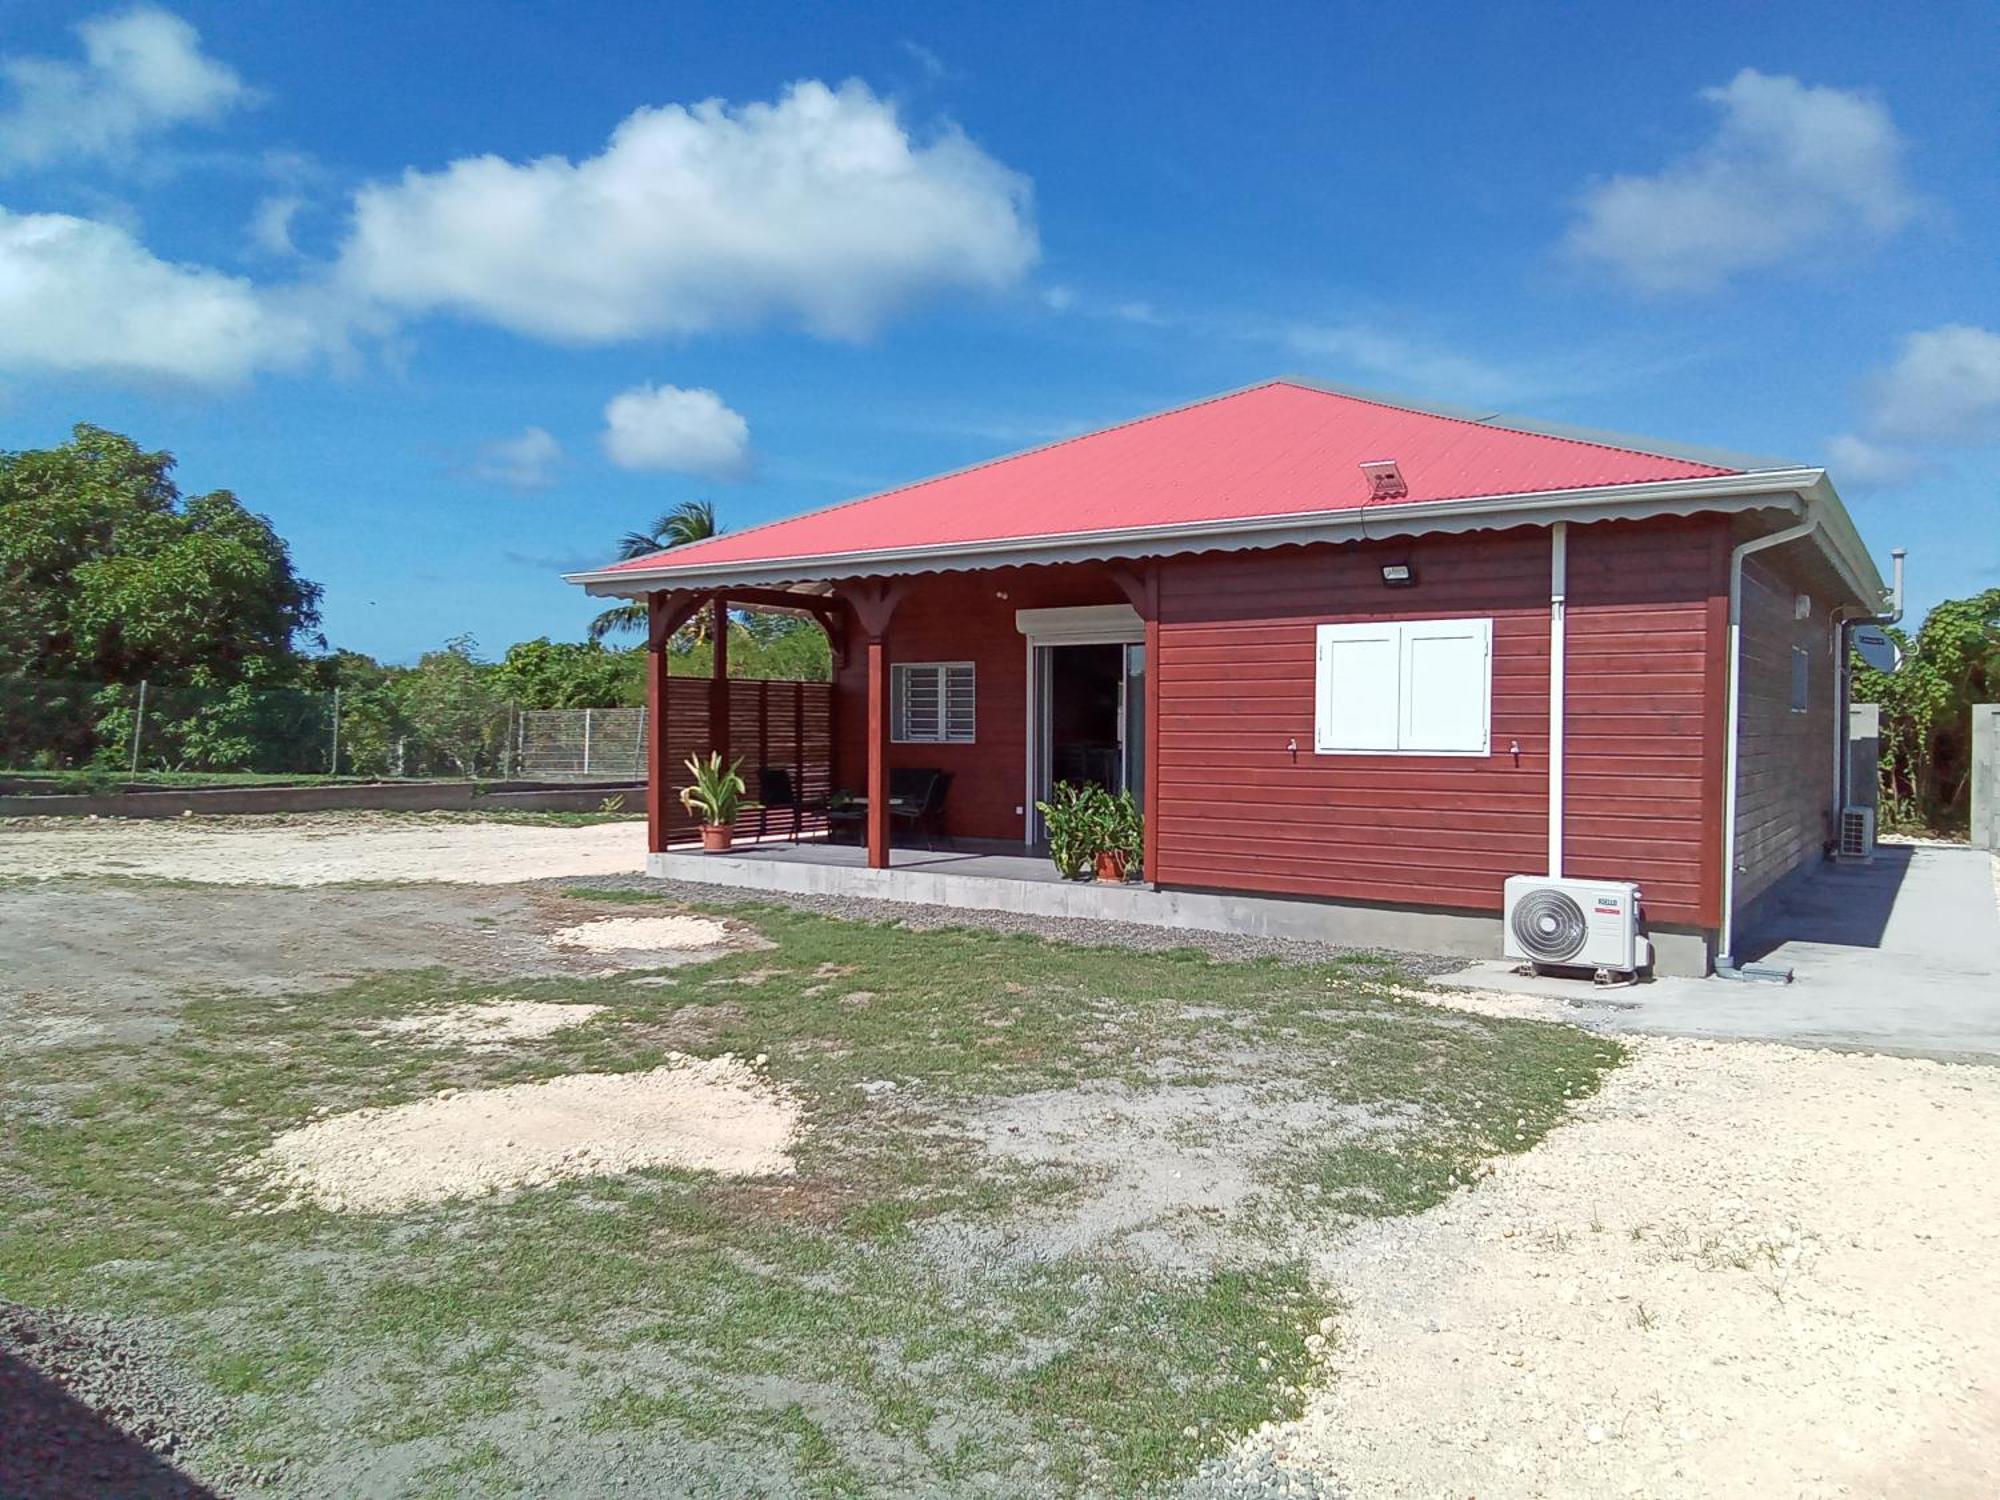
777,791
916,799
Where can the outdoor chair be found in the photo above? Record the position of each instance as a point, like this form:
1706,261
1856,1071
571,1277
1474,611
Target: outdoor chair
777,791
916,799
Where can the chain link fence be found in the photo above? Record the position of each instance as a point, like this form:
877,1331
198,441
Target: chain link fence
554,743
148,728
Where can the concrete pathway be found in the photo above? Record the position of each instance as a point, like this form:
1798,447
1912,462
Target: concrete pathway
1900,956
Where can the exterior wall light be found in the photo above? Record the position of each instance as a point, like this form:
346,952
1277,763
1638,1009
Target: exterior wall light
1398,575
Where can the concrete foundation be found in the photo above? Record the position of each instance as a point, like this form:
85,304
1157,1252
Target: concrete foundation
1020,883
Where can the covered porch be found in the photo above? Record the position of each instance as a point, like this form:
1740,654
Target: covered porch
987,686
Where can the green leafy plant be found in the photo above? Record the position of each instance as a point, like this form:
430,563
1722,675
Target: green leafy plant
716,795
1083,820
1949,664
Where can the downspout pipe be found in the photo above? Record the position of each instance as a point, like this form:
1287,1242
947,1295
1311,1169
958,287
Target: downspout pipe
1725,960
1558,687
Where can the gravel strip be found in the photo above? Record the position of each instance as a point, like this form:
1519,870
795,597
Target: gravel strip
1084,931
95,1406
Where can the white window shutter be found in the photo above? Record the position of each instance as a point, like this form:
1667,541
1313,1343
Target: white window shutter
1356,702
1447,691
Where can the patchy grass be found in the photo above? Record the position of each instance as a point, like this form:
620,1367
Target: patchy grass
804,1335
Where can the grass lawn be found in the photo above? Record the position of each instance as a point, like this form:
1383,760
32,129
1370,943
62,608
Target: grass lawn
914,1313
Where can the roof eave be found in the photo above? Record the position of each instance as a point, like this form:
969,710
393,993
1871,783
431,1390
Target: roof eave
1730,492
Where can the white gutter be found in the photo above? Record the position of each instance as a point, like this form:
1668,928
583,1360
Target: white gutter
1558,687
1725,958
1763,490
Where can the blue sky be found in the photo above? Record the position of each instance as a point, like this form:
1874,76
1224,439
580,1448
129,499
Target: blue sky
457,294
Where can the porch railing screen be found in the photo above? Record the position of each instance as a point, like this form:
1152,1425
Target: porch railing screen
786,726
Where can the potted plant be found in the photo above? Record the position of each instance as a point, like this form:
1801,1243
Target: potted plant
716,797
1119,834
1092,831
1067,821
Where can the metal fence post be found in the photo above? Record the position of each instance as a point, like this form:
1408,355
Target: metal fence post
586,742
334,767
138,726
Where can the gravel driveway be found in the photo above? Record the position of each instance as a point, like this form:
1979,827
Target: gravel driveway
1743,1270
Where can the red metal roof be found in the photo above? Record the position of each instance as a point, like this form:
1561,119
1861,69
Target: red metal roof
1278,449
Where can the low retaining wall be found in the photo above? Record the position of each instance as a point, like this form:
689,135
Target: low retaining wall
1452,934
385,796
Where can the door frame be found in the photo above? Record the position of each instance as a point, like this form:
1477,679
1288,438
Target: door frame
1084,625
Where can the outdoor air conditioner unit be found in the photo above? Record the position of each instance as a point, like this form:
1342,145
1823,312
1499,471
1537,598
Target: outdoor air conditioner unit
1576,924
1857,833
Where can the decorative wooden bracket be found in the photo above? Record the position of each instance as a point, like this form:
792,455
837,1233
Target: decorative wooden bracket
667,613
874,603
1141,587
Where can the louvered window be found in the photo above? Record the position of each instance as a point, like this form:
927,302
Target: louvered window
931,702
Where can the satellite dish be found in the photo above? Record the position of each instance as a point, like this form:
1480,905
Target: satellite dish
1874,646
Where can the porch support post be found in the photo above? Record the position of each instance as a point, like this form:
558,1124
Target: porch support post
718,686
873,604
878,755
657,607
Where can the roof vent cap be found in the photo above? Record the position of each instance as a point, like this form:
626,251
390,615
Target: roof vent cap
1385,479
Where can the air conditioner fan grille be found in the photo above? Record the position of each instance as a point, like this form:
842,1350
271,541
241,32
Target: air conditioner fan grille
1549,926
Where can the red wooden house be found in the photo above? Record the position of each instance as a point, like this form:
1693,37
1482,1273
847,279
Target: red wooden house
1359,660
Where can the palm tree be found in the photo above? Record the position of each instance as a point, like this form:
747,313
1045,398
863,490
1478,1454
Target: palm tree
690,521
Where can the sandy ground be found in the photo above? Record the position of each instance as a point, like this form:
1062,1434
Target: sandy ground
492,1024
1742,1270
643,934
321,850
714,1114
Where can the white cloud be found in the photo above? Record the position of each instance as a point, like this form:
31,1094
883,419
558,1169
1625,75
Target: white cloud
1944,387
1860,464
686,431
1410,363
142,71
1790,170
526,461
271,224
76,295
819,208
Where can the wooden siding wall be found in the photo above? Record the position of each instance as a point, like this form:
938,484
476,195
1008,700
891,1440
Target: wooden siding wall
1239,811
967,617
1784,786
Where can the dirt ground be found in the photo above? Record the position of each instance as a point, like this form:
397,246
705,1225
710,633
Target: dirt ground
318,849
1740,1269
114,961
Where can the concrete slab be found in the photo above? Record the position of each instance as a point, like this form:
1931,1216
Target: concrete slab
1900,956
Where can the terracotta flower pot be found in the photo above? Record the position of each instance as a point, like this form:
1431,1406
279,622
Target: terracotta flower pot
1111,865
715,838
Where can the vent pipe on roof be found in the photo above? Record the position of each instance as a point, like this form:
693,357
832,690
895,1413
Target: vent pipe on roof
1385,479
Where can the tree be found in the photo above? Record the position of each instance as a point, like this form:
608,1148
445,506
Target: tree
109,576
690,521
456,717
1951,663
565,674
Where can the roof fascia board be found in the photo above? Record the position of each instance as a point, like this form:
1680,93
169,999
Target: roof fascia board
1730,492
